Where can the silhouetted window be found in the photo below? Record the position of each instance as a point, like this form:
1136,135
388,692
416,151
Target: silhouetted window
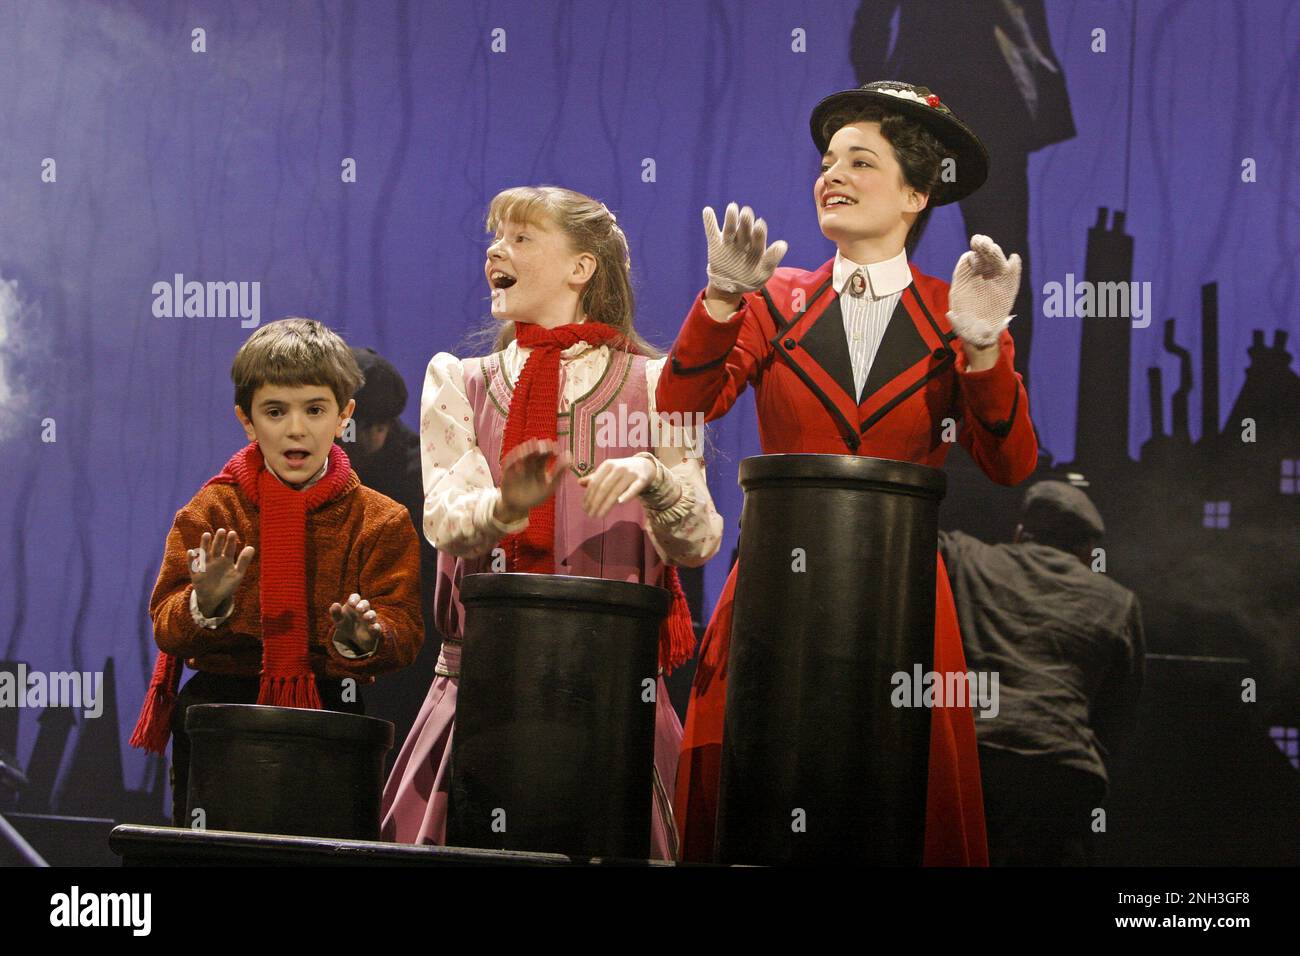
1216,514
1288,741
1290,476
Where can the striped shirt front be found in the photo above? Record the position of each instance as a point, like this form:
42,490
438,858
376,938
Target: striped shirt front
866,316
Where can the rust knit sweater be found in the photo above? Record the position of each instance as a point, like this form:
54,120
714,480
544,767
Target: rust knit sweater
362,542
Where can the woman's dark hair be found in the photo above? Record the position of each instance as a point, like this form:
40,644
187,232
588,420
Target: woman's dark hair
919,154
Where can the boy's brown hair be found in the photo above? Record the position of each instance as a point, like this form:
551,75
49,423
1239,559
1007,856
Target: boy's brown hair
293,352
918,152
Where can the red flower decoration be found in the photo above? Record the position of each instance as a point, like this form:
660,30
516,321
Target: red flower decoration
932,100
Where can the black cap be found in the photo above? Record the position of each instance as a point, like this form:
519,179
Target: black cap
382,396
1059,511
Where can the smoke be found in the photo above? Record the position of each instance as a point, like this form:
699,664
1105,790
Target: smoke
19,344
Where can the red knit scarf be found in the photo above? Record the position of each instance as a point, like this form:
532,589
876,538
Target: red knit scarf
287,678
533,413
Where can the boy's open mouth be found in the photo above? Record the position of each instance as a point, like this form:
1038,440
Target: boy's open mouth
298,457
502,280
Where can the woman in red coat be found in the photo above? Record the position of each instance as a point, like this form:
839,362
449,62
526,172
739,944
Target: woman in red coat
863,356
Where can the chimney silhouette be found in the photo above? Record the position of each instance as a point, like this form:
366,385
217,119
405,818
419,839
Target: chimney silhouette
1156,399
1209,360
1178,402
1105,347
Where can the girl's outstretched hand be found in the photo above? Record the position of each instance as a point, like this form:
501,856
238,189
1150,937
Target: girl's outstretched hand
530,474
614,482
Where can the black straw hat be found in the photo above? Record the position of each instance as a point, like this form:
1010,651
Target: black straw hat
918,103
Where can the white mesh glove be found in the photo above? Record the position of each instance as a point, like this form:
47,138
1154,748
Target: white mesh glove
983,289
739,258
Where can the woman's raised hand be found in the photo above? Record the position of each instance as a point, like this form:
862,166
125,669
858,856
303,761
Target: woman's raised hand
740,260
983,290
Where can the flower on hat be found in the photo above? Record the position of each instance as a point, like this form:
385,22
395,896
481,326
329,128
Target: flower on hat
919,94
902,94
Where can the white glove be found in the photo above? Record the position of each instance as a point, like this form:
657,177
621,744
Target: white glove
983,289
739,257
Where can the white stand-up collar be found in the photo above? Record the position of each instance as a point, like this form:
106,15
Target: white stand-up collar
883,278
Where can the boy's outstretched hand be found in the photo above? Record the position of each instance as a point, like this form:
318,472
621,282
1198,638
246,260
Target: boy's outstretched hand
356,625
216,568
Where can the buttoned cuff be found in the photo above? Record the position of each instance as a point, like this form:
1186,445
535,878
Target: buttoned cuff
664,490
993,394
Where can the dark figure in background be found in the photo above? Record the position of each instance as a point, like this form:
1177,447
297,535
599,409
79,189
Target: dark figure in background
1067,645
385,454
992,62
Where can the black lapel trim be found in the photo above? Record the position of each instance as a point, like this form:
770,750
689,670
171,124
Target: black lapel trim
900,349
777,317
846,426
827,345
945,336
947,359
781,322
778,343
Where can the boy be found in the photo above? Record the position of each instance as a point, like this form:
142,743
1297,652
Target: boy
331,591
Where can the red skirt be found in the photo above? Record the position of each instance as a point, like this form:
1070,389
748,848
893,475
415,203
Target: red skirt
954,812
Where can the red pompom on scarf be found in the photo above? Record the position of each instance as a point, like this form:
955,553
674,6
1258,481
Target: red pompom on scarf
533,413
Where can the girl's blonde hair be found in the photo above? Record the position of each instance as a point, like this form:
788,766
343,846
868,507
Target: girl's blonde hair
590,227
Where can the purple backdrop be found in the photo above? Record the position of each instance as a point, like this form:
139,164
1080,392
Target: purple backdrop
225,165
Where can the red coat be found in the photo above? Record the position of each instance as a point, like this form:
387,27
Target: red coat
788,341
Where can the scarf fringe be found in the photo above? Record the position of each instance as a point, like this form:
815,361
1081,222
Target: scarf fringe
295,690
677,633
153,728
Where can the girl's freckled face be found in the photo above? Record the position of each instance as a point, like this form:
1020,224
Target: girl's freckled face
527,268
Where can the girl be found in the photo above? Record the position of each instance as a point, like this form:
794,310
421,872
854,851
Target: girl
863,356
516,469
